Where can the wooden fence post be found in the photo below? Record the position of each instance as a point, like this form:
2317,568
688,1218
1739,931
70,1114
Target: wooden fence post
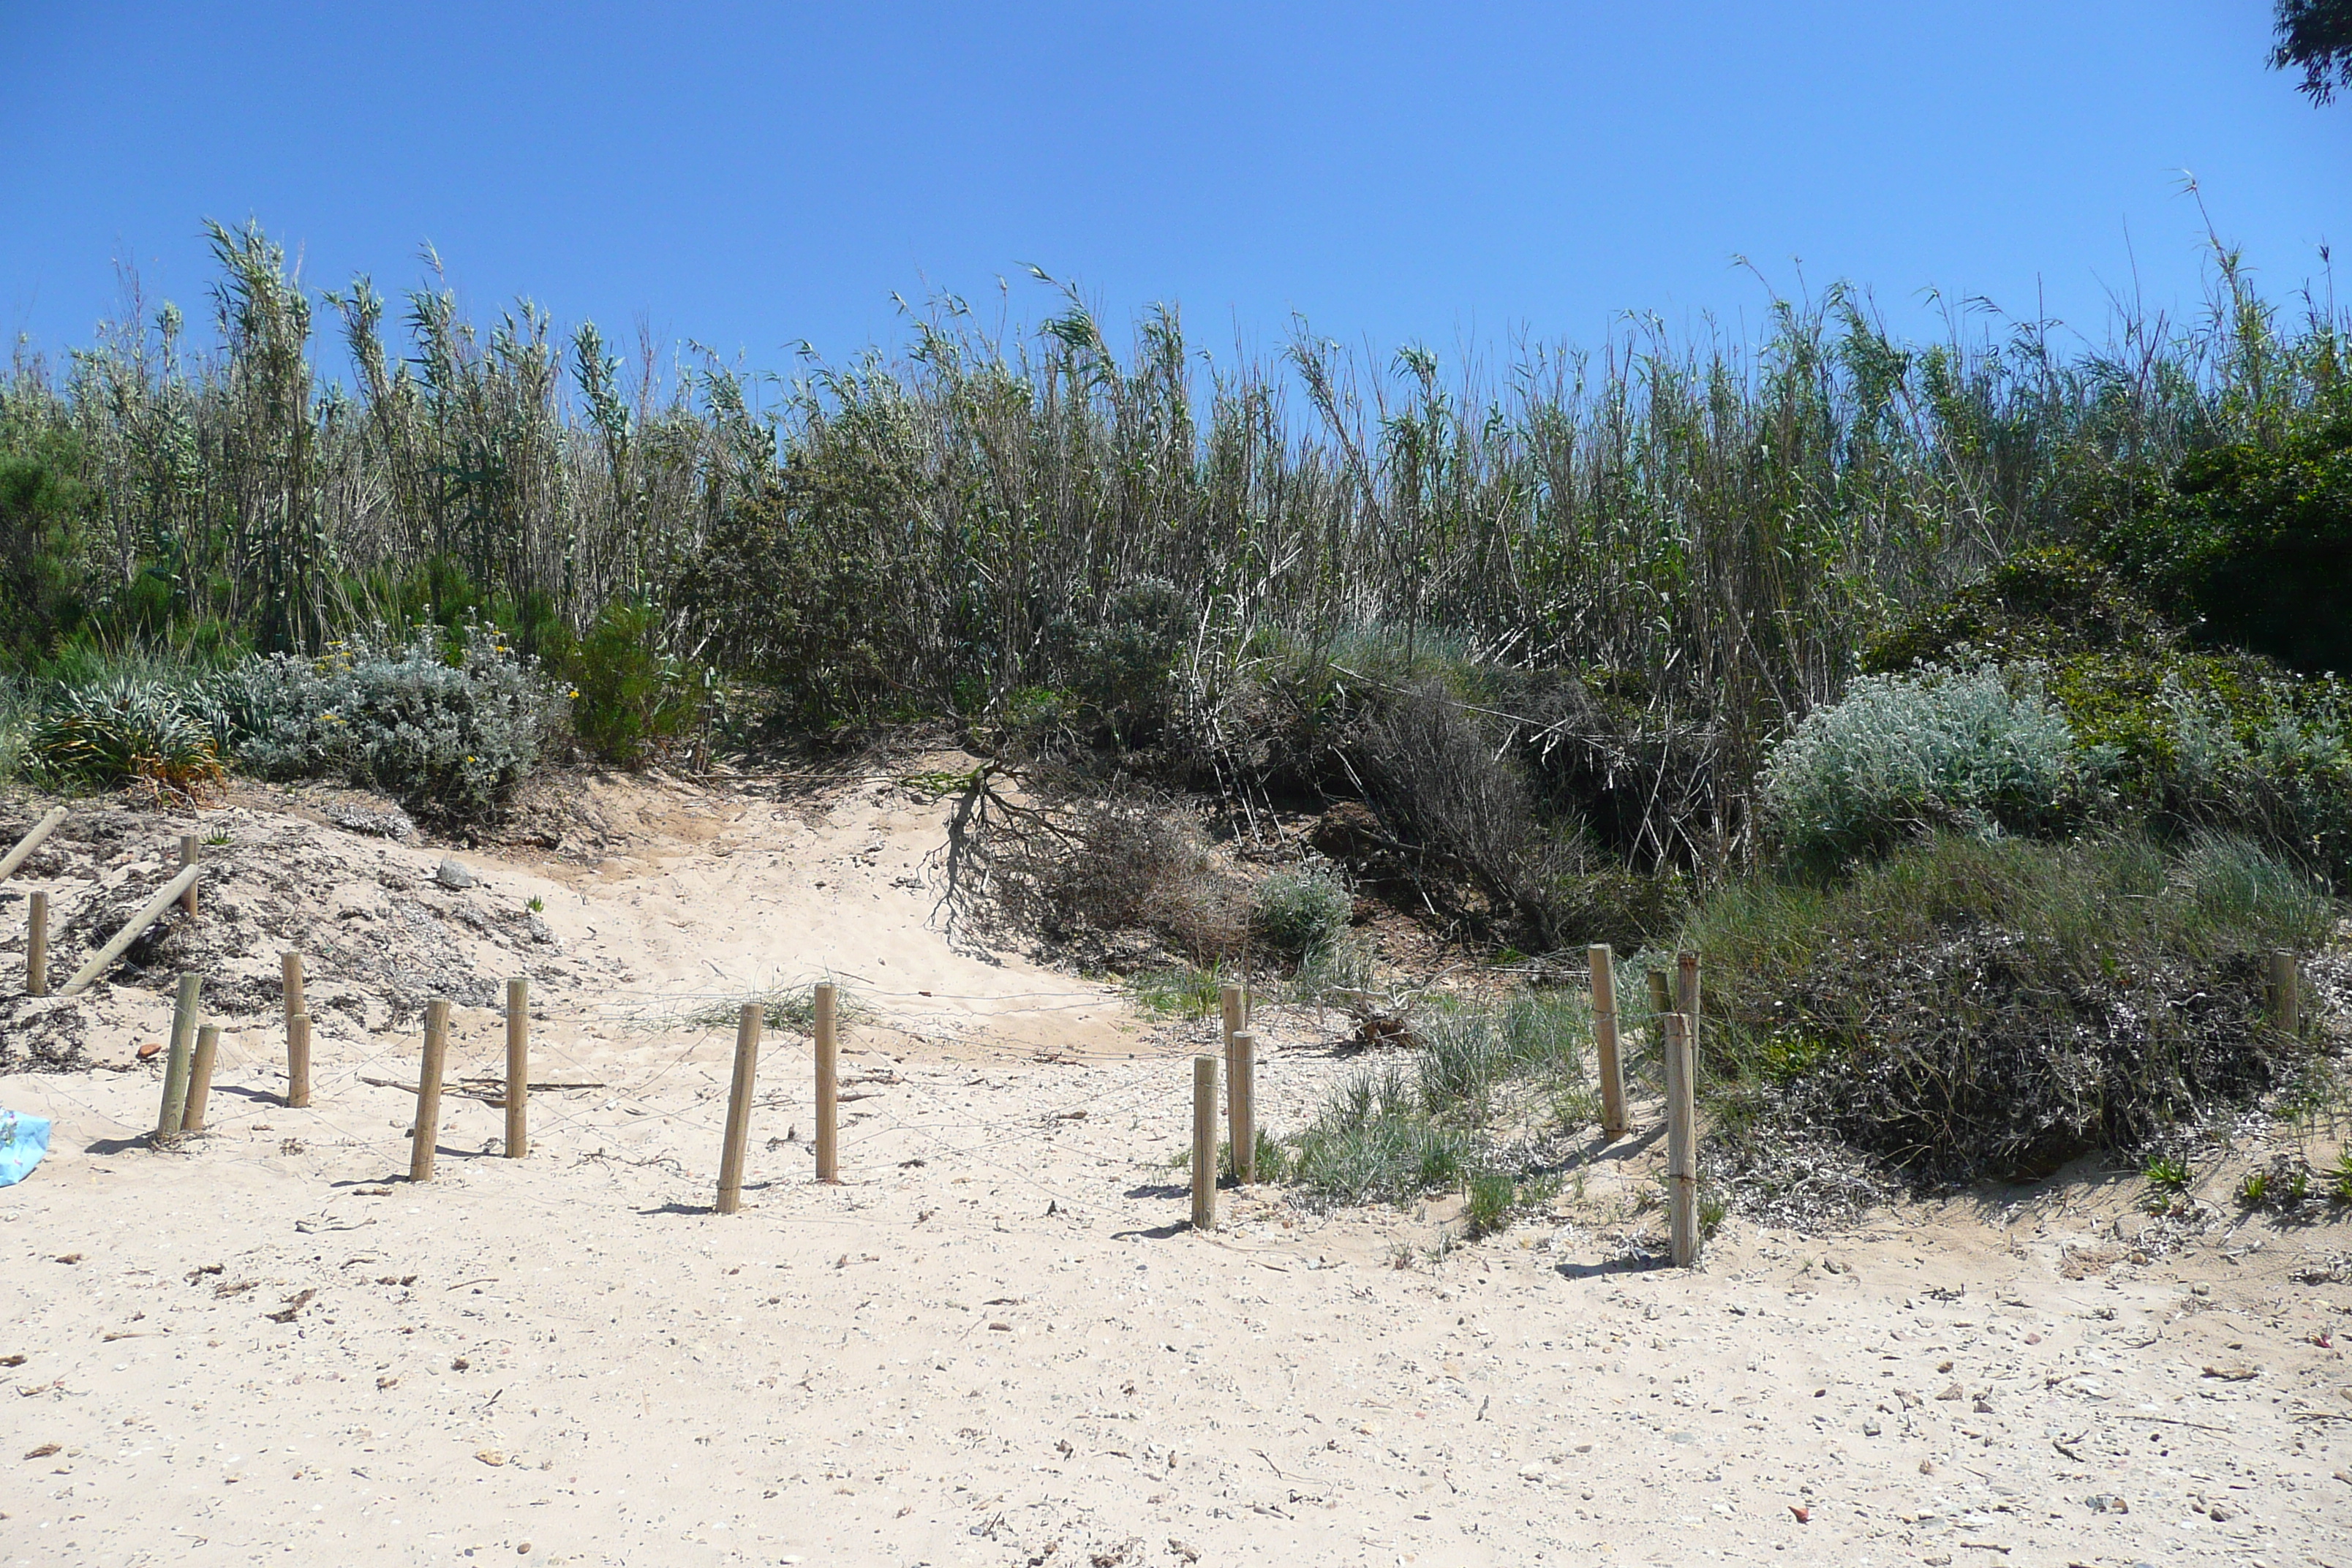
1661,1002
518,1068
1604,1039
828,1089
200,1077
177,1065
36,946
298,1078
188,855
1232,1007
427,1131
298,1061
1204,1142
1243,1095
1681,1140
2286,999
1687,991
738,1107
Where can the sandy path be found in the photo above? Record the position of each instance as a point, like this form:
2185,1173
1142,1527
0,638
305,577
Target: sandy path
996,1343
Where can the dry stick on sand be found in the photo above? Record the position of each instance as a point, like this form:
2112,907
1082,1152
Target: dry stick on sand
188,856
200,1077
738,1108
1204,1142
828,1089
1243,1065
427,1131
31,841
297,1056
147,916
517,1069
1604,1039
36,946
1682,1141
177,1065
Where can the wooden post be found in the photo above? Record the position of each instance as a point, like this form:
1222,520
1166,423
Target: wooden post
32,840
738,1108
1687,990
1232,1004
1604,1039
828,1089
139,922
200,1077
427,1131
518,1068
1660,1003
298,1038
1204,1142
187,859
297,1060
1681,1140
36,946
1242,1095
177,1065
2286,1000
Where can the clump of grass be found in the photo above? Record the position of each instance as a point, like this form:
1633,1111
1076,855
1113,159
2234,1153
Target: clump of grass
125,728
1181,991
2167,1173
789,1007
1440,1118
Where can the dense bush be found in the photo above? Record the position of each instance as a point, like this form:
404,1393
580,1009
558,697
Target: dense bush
2252,541
44,511
1904,755
1963,1007
1296,911
627,698
449,737
2182,740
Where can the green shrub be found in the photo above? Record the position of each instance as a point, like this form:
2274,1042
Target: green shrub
2182,740
1904,755
2252,541
448,738
1296,911
44,511
626,696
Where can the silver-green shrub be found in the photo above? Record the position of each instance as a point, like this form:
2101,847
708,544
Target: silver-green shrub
397,713
1974,750
1299,911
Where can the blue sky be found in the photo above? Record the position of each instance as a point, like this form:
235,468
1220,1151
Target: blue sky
752,176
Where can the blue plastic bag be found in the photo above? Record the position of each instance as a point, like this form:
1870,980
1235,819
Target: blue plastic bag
23,1140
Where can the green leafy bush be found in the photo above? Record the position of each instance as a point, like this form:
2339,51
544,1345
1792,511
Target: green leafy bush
2183,740
1296,911
627,696
1904,755
449,738
2253,540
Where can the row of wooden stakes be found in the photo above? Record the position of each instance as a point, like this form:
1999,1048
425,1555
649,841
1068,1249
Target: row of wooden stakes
1678,1044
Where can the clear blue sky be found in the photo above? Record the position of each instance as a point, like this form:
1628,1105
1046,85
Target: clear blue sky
751,175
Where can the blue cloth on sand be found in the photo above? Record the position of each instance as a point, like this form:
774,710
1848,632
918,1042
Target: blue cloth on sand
23,1140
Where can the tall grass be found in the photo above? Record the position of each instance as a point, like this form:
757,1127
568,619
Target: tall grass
1702,533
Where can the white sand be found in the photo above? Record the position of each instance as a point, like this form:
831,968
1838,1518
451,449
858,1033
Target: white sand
996,1342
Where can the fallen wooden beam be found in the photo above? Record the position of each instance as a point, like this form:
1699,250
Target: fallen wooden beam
32,840
130,933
